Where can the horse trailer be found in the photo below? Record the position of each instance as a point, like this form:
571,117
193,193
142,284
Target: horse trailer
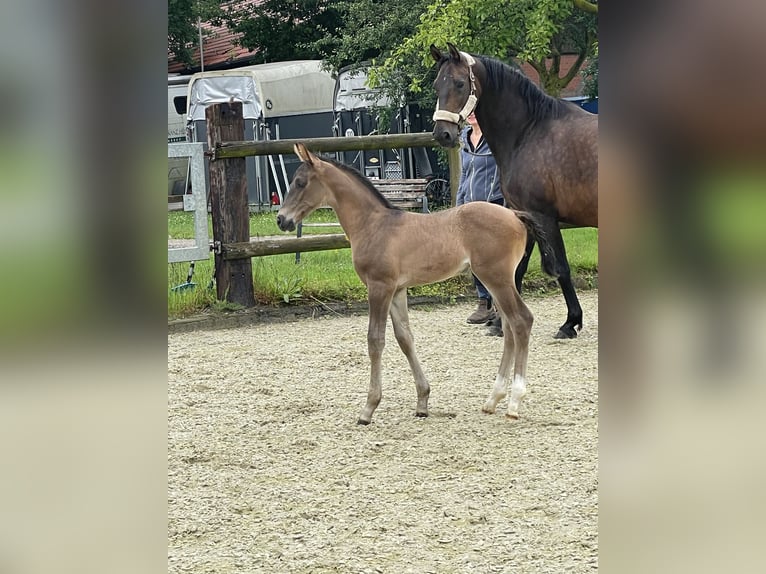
361,111
178,167
281,100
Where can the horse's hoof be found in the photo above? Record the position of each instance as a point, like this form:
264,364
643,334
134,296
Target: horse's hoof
512,417
421,415
566,334
362,422
487,411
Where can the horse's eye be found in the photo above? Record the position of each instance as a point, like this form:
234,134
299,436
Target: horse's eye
300,182
459,84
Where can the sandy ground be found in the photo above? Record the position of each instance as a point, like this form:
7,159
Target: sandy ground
269,472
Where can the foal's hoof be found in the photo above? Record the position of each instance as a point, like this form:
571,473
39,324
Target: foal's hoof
512,417
566,333
421,415
362,422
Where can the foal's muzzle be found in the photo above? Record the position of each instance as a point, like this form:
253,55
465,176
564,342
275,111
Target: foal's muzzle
285,224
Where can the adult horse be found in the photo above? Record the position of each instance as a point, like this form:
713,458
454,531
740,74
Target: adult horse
393,249
546,150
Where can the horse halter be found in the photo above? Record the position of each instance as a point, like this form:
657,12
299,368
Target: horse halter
470,103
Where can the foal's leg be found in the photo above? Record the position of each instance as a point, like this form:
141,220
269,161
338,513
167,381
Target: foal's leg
401,322
499,390
379,299
517,325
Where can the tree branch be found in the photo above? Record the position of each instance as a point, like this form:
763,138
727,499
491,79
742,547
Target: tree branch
575,68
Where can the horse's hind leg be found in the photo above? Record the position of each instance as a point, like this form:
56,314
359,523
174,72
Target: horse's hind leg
521,268
517,325
401,322
560,269
379,302
499,390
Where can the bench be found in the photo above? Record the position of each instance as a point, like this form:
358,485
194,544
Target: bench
404,193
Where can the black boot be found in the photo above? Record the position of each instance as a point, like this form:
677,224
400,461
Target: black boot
495,327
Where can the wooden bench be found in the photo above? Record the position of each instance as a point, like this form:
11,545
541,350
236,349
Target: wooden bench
404,193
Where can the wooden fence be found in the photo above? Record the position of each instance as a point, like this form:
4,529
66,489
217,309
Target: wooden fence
228,194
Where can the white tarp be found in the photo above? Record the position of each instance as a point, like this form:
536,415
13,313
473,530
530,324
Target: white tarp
265,90
353,93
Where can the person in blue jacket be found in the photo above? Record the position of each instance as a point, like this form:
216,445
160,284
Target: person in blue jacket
479,181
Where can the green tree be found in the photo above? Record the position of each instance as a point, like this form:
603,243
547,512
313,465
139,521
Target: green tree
371,30
535,31
279,30
183,31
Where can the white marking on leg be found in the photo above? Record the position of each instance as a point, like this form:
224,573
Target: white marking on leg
518,390
498,394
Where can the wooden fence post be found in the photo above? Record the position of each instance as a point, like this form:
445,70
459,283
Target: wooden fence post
453,154
228,199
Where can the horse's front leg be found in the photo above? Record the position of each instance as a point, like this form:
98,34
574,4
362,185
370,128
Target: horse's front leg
401,322
379,299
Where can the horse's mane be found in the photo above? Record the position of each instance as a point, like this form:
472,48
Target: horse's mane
540,105
356,174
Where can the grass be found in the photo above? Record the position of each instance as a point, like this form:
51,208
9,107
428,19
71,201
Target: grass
323,276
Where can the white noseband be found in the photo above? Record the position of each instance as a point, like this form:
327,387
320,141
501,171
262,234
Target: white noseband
470,103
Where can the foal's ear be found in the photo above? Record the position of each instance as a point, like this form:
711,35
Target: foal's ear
454,53
436,53
303,153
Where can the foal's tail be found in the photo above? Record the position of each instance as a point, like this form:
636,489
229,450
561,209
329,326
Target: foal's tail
537,232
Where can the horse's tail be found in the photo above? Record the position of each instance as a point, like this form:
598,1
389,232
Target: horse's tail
536,230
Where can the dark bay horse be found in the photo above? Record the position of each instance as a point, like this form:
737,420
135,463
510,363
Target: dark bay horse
546,150
393,249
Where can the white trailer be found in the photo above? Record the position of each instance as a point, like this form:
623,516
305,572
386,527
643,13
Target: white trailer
178,167
280,100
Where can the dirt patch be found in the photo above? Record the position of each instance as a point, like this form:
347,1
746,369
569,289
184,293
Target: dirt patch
268,471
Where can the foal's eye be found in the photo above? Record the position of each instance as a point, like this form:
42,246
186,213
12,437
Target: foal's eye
300,181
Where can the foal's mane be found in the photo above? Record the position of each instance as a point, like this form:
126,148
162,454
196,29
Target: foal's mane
353,172
541,106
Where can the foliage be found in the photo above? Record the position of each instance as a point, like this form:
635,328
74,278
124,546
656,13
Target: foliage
590,76
183,33
527,30
280,30
371,30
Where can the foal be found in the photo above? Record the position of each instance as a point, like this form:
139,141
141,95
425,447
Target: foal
393,249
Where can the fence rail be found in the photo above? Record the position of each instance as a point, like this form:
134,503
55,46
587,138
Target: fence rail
229,150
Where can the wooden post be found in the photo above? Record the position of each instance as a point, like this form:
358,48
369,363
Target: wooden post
228,199
453,154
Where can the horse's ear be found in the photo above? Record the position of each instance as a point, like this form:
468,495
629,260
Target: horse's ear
303,154
436,53
454,53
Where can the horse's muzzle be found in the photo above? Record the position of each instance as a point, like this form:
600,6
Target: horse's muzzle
285,224
445,134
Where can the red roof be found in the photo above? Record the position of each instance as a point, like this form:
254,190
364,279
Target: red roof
220,49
